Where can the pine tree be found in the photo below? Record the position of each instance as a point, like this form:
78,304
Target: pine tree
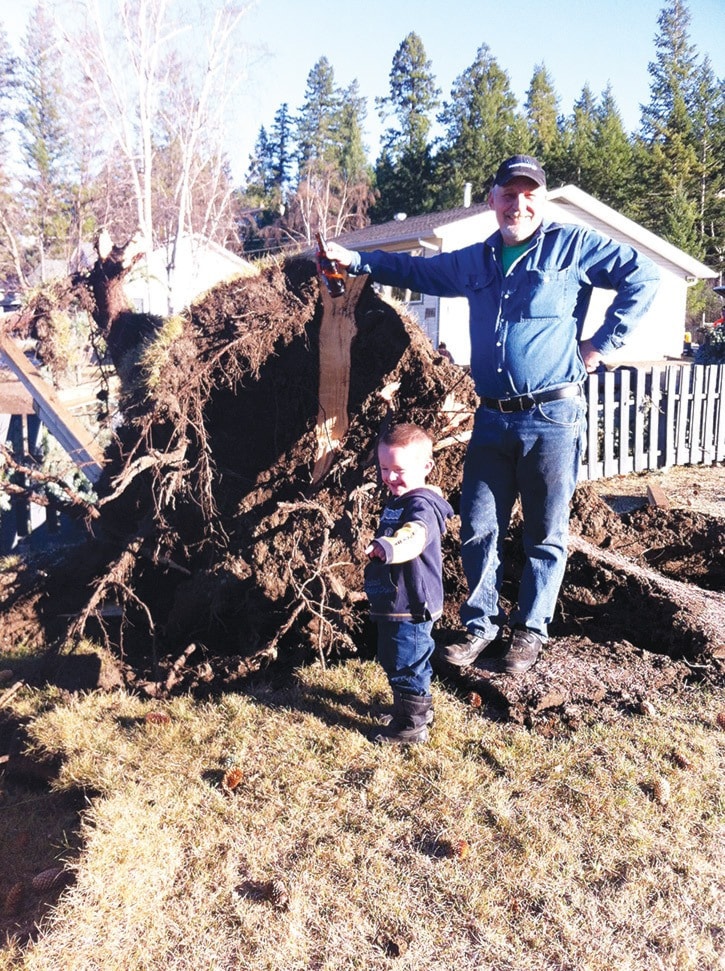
482,128
577,159
44,138
352,156
318,117
258,206
709,126
404,170
542,114
674,173
11,263
612,168
280,148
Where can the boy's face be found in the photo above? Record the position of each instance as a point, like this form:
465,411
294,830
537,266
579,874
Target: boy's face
404,467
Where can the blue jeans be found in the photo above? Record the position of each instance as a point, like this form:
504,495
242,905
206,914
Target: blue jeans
404,652
534,454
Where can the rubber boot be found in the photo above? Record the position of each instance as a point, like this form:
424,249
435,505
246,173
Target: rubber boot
409,724
385,717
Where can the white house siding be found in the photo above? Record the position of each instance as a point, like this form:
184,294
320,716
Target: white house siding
200,265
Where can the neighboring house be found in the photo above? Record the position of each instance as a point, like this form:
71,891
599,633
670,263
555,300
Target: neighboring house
660,334
199,265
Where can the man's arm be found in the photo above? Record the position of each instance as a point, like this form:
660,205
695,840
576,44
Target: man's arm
634,277
443,275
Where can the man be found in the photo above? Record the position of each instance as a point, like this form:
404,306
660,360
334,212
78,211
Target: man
528,288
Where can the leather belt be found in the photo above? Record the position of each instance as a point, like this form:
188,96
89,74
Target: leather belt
525,402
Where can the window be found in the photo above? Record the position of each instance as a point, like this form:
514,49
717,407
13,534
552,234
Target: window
406,296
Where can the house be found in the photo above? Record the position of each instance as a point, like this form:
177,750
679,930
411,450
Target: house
152,287
660,334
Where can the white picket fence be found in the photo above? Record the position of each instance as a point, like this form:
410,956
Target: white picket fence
640,419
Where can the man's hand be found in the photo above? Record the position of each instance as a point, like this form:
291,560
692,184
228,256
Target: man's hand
590,355
338,253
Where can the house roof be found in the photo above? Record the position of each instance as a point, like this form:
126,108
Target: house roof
569,196
409,227
566,200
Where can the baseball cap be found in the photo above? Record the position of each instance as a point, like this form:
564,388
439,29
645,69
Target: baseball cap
520,166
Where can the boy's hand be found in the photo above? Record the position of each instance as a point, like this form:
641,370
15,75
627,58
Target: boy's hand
375,551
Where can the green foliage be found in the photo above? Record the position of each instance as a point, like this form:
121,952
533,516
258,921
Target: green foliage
712,348
542,113
404,172
44,137
482,127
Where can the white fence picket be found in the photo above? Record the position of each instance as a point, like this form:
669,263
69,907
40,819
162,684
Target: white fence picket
642,419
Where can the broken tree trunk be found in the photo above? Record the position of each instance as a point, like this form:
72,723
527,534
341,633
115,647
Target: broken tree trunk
337,330
694,613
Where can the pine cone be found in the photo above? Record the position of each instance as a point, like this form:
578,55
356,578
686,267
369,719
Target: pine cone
14,899
661,791
278,894
49,879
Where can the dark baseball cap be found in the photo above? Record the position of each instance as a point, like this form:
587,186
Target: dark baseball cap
520,166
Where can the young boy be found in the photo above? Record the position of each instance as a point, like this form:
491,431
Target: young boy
404,579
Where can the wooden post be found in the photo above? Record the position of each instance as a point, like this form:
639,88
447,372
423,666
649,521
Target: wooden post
62,425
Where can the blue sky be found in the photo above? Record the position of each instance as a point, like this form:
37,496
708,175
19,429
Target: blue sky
579,42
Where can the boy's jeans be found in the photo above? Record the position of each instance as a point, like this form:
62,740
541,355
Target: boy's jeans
535,454
404,652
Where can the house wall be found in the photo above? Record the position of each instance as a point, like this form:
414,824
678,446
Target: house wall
198,268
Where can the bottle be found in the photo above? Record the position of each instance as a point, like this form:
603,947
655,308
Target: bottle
330,270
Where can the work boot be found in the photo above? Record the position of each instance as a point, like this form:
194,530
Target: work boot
522,651
409,724
463,653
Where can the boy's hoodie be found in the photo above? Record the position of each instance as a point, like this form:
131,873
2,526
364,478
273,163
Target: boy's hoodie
408,584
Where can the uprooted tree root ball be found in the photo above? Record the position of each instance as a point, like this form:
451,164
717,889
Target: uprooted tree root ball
235,509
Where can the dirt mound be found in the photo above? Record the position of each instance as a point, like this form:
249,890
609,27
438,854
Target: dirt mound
236,508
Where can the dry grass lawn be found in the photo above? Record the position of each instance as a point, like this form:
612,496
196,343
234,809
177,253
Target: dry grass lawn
263,831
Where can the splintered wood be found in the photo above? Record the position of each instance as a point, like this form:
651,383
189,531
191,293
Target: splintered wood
337,331
656,497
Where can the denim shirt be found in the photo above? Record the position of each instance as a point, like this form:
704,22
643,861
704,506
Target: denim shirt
526,325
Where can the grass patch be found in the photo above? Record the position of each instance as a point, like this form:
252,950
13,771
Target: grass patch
263,831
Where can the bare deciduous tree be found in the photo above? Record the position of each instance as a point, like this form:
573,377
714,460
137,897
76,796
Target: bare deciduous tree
162,79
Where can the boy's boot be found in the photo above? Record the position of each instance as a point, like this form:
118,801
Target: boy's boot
409,724
385,717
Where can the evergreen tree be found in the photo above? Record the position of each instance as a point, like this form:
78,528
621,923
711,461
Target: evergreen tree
258,205
709,125
280,148
482,128
612,168
542,114
674,173
11,266
577,160
404,170
318,117
332,190
352,156
44,138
